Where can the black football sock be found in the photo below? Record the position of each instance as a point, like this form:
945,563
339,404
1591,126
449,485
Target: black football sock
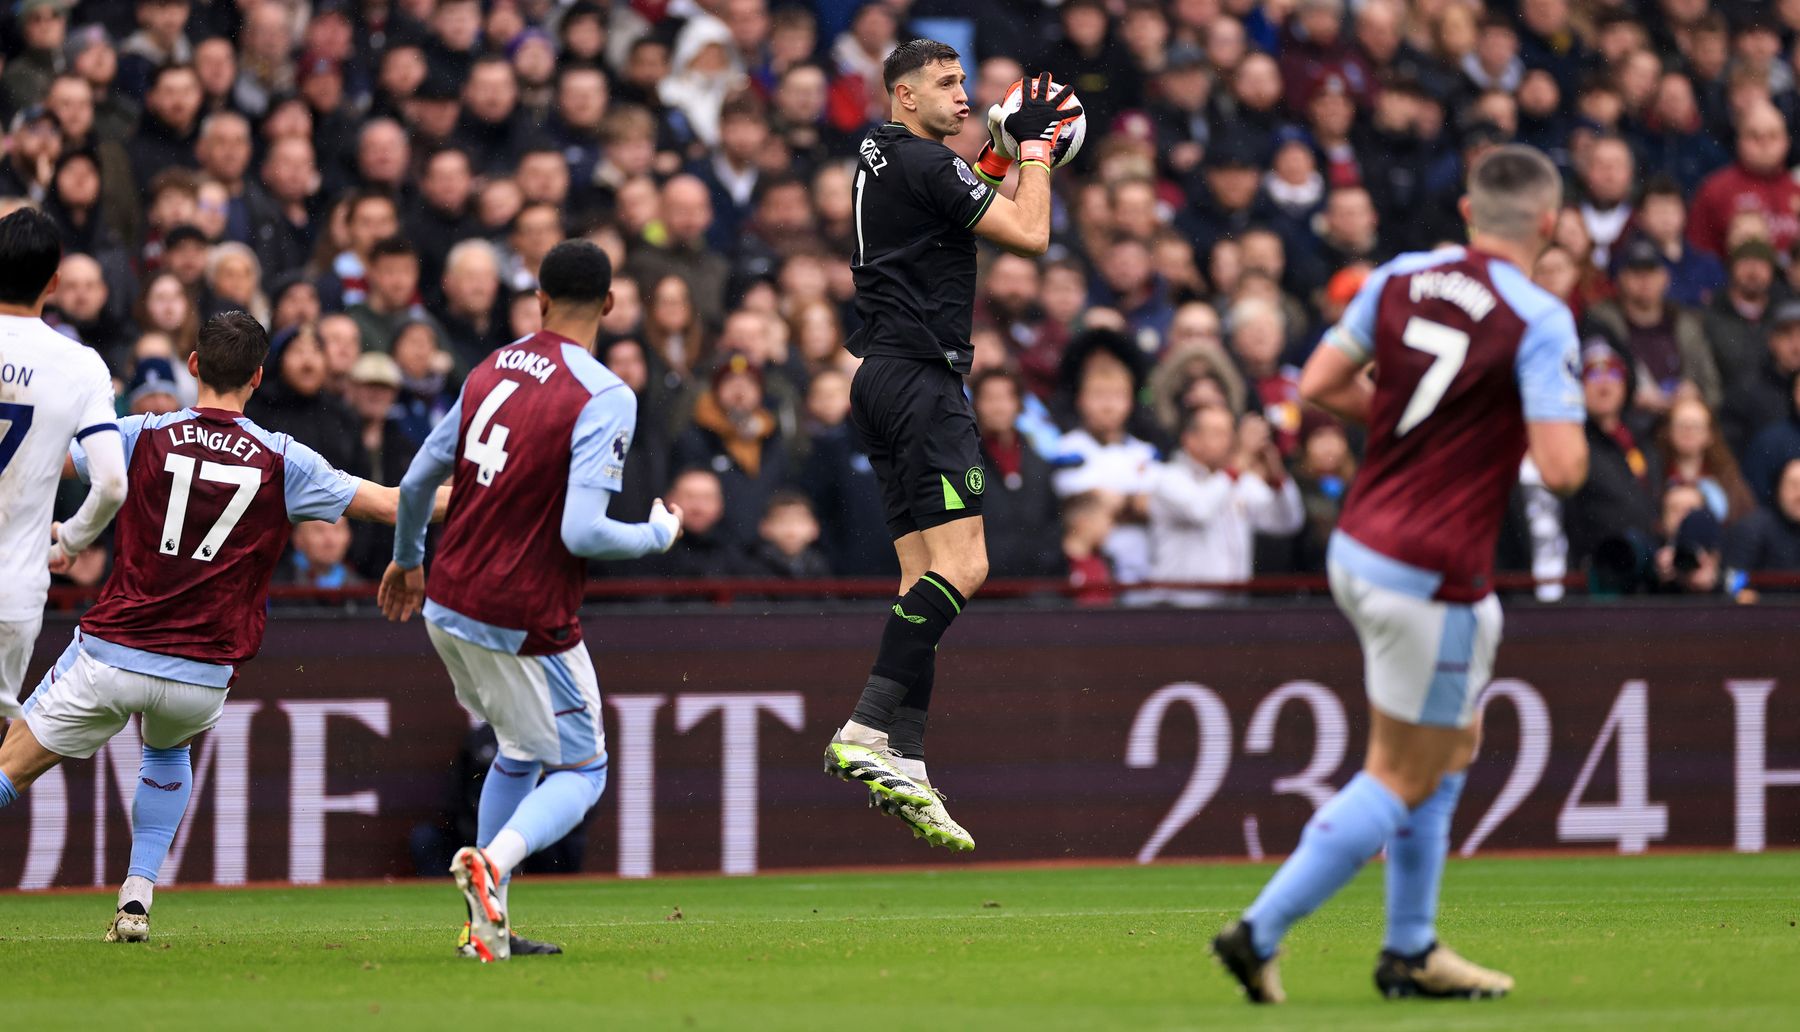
908,644
907,735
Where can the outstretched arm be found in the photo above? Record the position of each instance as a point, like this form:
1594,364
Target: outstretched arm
379,504
589,532
105,452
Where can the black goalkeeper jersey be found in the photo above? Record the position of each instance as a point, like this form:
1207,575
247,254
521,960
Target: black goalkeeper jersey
915,204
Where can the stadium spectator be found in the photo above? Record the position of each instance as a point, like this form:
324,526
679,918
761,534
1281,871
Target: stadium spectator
170,124
373,388
1666,341
1206,504
1694,453
1323,474
369,218
1018,506
293,401
224,151
163,306
1739,321
703,549
786,541
1257,341
291,175
1761,397
234,282
32,150
1113,466
472,314
1691,562
342,341
1694,275
391,299
43,28
427,388
1769,538
153,390
1612,519
83,299
646,464
534,231
1757,181
1088,522
319,556
738,440
1606,177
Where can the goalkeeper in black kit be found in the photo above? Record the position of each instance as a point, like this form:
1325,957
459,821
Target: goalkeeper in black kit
918,209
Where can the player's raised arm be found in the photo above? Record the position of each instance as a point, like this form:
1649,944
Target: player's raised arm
1022,225
596,465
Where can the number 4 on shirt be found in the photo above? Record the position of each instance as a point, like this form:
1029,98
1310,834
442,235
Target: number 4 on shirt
488,450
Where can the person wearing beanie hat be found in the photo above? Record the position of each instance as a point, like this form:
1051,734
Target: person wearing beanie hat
153,390
735,436
1615,511
159,42
43,24
1737,320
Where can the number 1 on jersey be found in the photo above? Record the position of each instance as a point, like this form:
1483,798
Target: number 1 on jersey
245,478
1449,348
488,450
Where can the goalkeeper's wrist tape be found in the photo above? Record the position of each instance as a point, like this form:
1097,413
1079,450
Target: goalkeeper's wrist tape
1036,150
993,166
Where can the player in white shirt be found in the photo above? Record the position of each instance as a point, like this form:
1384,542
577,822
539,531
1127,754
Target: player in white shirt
52,390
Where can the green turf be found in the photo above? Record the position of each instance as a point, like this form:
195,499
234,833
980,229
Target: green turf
1683,942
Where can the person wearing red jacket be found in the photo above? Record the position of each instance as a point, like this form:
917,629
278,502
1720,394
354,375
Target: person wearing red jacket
1758,181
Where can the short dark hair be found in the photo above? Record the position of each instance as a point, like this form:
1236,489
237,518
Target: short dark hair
30,251
392,247
232,347
363,196
576,271
786,497
913,55
161,72
1664,185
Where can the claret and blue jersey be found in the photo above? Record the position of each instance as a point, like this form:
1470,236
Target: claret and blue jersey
1467,350
540,427
211,503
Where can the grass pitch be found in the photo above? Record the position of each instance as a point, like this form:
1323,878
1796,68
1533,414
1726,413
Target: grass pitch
1683,942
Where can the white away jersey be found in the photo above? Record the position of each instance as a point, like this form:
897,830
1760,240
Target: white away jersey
52,391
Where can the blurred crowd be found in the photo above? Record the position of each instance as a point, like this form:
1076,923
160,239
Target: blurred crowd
377,182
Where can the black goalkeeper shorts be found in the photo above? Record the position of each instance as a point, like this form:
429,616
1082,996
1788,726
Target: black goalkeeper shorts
919,430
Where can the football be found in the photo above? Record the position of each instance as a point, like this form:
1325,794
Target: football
1074,131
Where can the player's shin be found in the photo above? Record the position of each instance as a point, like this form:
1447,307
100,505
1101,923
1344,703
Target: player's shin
1342,836
1415,869
165,783
553,809
8,794
507,784
916,623
906,736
